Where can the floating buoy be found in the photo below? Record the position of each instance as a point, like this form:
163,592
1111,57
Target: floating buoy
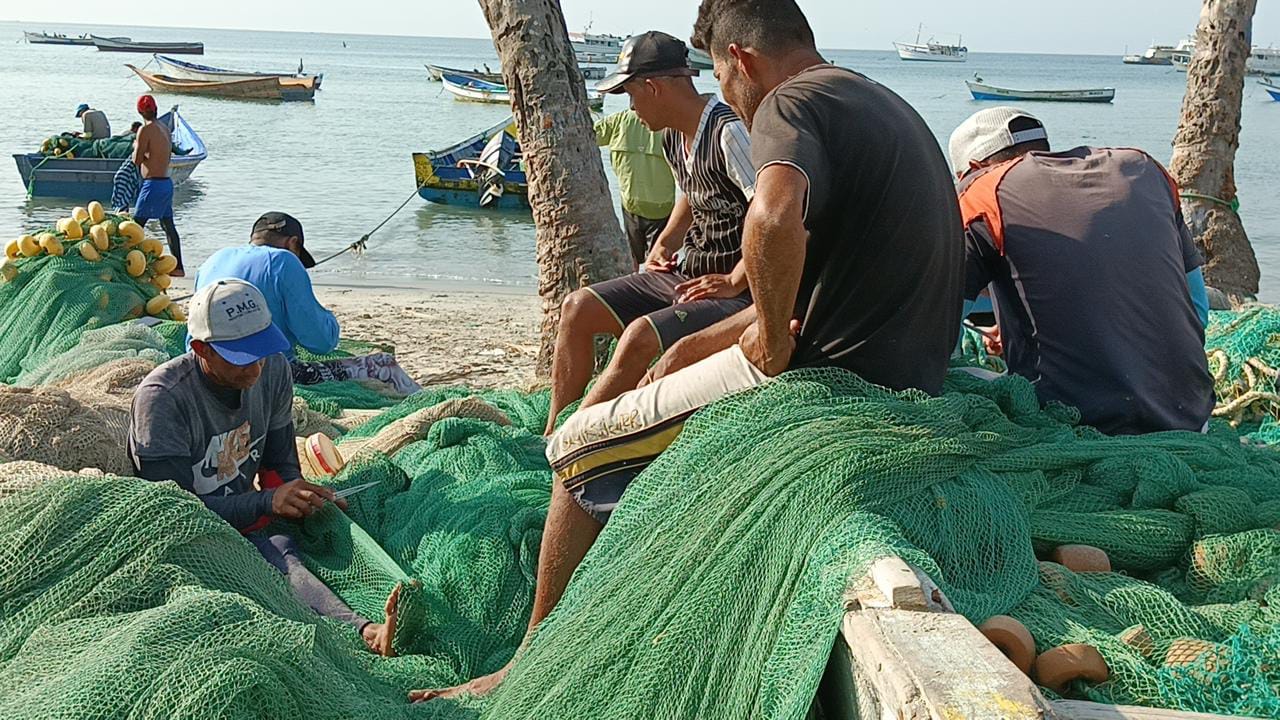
1011,638
1082,558
1059,667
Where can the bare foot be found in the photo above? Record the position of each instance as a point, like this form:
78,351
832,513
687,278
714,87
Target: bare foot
478,687
177,272
378,636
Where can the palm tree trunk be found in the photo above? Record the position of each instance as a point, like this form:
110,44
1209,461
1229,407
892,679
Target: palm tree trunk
579,241
1204,148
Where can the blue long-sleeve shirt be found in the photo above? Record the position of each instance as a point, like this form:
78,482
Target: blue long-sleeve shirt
279,275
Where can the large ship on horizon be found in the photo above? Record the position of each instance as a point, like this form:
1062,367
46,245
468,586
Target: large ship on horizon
932,51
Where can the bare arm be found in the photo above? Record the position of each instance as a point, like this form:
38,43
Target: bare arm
138,154
773,248
701,345
662,257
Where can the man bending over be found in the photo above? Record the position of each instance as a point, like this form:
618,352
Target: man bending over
853,236
220,416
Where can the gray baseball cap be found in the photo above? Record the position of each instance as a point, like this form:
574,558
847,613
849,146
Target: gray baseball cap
232,316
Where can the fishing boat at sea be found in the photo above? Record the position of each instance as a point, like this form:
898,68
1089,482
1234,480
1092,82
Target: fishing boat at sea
594,48
471,89
183,70
1262,60
91,178
483,171
983,91
264,88
436,72
932,51
44,38
105,44
1154,55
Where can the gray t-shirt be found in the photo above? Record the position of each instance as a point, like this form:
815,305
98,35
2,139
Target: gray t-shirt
95,124
179,415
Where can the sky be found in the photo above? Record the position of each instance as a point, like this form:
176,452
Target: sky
1102,27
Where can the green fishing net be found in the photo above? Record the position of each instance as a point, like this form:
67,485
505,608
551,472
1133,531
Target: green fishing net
116,146
1243,348
714,592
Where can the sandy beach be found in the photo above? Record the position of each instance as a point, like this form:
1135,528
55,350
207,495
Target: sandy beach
443,333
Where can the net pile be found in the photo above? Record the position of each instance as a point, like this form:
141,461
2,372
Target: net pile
1243,348
714,592
69,146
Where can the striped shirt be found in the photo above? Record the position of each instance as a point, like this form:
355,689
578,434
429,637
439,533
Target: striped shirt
716,175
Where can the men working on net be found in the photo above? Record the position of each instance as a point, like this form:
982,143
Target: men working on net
707,147
220,416
644,179
853,235
1096,280
276,262
152,151
96,126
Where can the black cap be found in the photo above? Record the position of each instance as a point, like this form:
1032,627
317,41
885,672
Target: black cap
288,226
651,54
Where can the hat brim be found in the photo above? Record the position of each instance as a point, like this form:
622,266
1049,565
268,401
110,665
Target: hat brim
251,349
612,85
308,262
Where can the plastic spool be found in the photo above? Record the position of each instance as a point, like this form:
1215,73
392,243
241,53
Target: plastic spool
1057,668
319,457
1082,558
1011,638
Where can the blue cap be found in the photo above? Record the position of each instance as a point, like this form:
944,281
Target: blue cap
231,315
251,349
81,109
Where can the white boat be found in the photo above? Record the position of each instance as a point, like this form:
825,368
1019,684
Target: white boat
1154,55
1180,58
982,91
932,51
591,48
473,89
1262,60
183,70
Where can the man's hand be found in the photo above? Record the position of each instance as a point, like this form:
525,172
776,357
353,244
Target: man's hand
676,358
708,286
771,361
991,340
298,499
660,259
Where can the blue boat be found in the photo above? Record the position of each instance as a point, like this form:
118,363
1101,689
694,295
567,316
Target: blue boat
1272,89
485,170
91,178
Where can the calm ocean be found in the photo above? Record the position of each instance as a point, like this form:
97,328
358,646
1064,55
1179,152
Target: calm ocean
342,163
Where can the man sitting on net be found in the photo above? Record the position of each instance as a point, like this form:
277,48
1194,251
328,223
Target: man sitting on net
1096,281
220,416
709,152
276,262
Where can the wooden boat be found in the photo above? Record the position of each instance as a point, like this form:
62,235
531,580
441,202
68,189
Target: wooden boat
435,72
474,90
1272,89
263,88
43,38
982,91
484,168
91,178
178,48
184,70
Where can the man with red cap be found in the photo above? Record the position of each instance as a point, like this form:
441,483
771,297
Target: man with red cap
151,153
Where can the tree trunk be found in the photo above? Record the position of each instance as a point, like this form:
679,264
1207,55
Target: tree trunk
579,241
1204,149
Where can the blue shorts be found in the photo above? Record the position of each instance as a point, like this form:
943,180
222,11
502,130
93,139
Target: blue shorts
155,199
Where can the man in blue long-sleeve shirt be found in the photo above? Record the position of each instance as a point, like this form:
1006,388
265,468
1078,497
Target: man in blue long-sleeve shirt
215,419
276,262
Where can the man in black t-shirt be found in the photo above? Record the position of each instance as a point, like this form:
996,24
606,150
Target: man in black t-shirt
853,252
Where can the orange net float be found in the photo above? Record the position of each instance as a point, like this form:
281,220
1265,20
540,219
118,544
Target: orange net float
1059,667
1082,558
1011,638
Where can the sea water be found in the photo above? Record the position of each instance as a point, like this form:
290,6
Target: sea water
341,164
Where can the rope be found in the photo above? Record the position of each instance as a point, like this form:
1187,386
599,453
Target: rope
1234,205
31,186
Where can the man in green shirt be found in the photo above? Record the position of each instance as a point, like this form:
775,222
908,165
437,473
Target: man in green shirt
648,188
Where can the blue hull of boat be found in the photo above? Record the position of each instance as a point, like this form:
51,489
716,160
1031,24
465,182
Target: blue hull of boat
470,197
977,95
441,180
1275,94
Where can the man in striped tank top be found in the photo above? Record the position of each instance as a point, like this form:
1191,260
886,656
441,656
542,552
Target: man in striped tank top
693,276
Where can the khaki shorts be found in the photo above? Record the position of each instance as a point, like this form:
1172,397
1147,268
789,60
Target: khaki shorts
600,449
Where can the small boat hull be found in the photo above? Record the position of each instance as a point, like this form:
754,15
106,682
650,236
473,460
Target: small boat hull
437,72
1272,90
982,91
263,88
183,70
931,53
47,39
112,45
470,89
91,178
442,180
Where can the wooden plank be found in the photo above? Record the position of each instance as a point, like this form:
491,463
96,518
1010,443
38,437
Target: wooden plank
1081,710
898,583
933,666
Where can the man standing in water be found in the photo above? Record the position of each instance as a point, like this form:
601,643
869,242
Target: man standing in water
151,152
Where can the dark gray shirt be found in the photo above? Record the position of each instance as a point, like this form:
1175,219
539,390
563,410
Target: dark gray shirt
212,440
95,124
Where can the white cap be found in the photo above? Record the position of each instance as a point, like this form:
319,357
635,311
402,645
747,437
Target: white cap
986,133
232,316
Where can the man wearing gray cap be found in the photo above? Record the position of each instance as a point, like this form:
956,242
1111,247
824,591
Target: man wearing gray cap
1096,281
218,421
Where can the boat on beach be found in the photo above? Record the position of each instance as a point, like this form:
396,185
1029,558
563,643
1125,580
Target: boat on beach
175,48
983,91
932,51
91,178
485,170
43,38
183,70
263,88
472,89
